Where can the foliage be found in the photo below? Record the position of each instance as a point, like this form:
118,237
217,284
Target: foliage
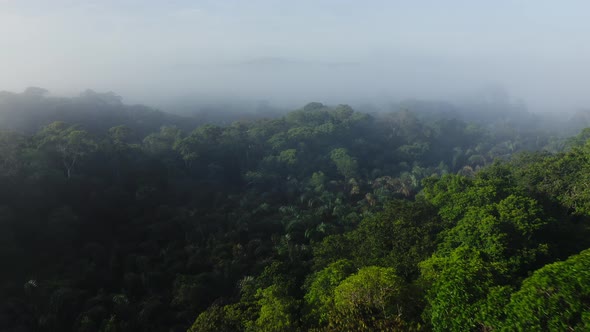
555,298
320,295
123,218
371,299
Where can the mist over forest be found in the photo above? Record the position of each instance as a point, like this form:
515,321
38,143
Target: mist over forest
293,53
206,166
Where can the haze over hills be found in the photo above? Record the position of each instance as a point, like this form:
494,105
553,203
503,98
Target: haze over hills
291,53
36,107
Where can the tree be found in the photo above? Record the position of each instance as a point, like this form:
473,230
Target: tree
459,284
162,141
201,141
402,235
346,165
373,299
120,135
277,310
555,298
70,143
216,319
320,295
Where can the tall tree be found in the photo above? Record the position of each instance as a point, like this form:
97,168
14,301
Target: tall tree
68,142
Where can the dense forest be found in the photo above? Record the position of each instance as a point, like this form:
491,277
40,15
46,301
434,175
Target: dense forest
116,217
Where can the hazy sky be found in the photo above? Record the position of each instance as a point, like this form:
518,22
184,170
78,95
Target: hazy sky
324,50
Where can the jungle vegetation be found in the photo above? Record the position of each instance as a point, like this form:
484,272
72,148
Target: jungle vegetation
123,218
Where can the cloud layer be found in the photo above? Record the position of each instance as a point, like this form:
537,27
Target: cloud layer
292,52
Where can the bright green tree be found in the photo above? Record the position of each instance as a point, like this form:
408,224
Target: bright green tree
373,299
555,298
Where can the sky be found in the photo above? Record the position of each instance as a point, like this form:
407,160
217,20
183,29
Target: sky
333,51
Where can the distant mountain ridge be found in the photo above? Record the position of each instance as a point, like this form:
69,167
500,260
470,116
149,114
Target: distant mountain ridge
33,109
